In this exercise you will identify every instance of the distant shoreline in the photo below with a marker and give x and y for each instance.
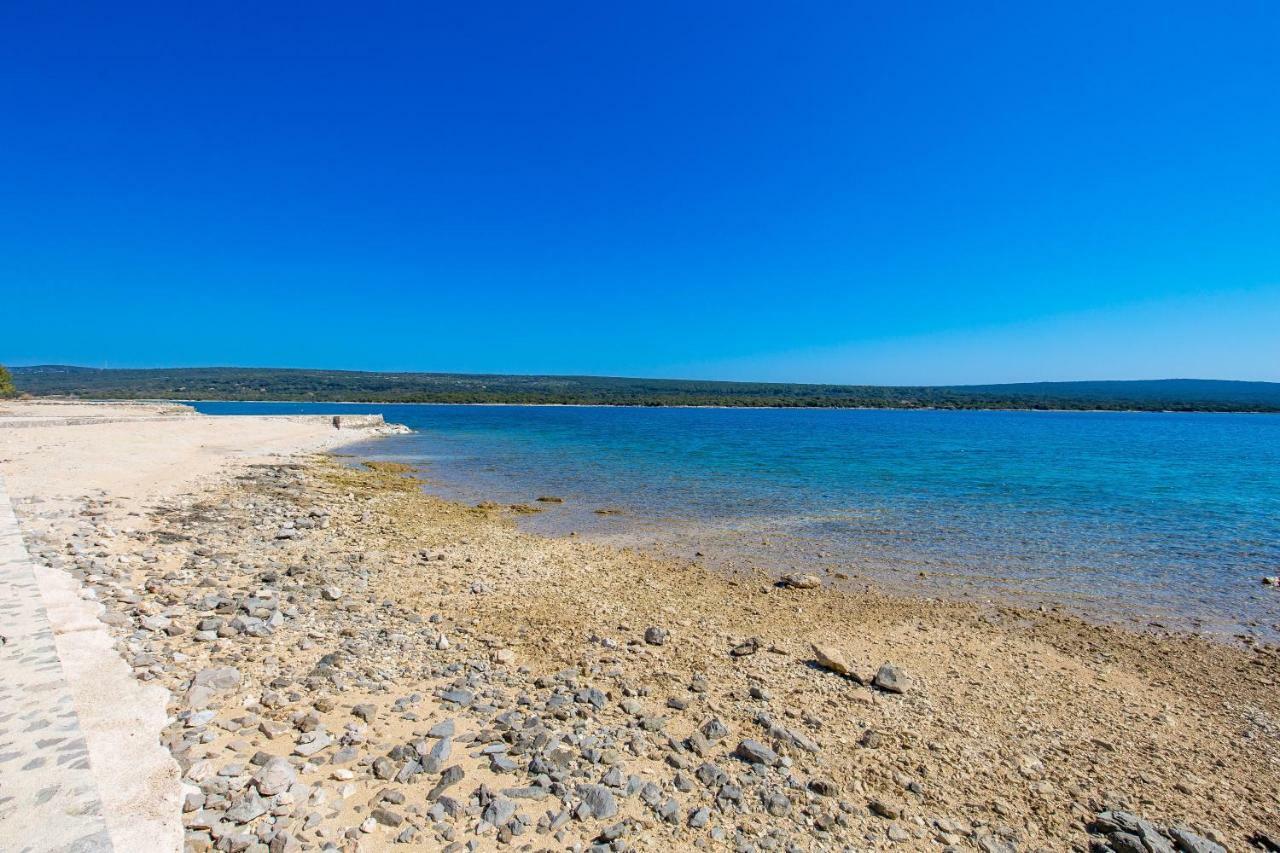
(1045, 410)
(691, 406)
(270, 385)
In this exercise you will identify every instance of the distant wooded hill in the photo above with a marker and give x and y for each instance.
(236, 383)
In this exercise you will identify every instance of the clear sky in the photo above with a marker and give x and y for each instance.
(861, 192)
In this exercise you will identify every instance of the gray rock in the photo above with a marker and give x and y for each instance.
(449, 777)
(1115, 821)
(247, 808)
(526, 792)
(754, 752)
(458, 697)
(444, 728)
(885, 808)
(311, 743)
(276, 775)
(823, 787)
(711, 775)
(499, 811)
(599, 800)
(438, 755)
(614, 832)
(777, 805)
(655, 636)
(218, 678)
(1124, 842)
(199, 719)
(713, 730)
(283, 842)
(891, 679)
(1153, 839)
(411, 769)
(386, 817)
(1189, 842)
(989, 843)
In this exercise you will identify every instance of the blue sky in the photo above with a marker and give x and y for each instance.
(915, 192)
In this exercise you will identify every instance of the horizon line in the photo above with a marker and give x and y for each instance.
(641, 378)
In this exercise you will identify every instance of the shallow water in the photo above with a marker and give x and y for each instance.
(1124, 516)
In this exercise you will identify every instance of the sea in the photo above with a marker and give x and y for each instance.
(1153, 520)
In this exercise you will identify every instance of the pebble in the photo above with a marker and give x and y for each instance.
(754, 752)
(891, 679)
(599, 800)
(829, 657)
(274, 665)
(275, 777)
(801, 581)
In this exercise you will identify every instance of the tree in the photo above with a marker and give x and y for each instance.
(6, 383)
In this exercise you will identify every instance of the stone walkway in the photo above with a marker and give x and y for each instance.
(48, 798)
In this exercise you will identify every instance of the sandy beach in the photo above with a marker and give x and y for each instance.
(297, 653)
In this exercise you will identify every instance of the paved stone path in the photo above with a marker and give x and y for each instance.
(48, 798)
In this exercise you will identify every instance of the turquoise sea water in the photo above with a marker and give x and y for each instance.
(1171, 518)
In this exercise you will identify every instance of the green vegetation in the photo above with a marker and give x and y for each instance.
(235, 383)
(7, 388)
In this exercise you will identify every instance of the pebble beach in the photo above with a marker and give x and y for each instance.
(336, 660)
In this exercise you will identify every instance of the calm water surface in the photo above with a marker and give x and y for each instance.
(1137, 517)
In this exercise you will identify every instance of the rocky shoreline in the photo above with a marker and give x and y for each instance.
(356, 665)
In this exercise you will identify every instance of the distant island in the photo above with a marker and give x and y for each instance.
(260, 384)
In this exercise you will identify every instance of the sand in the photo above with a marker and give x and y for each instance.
(140, 461)
(138, 455)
